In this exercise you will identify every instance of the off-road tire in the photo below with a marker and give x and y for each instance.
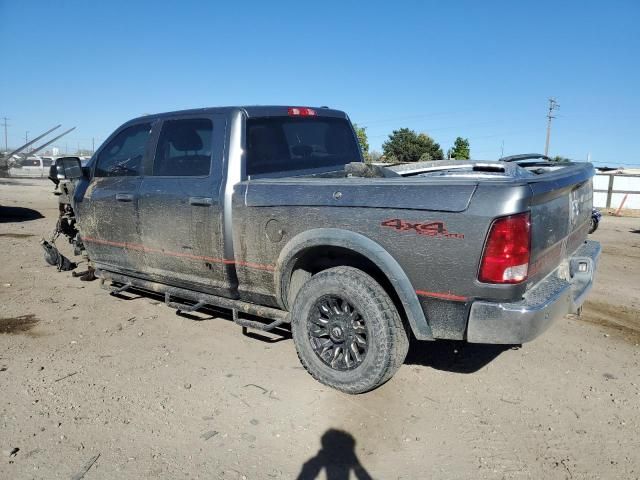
(593, 225)
(387, 338)
(298, 278)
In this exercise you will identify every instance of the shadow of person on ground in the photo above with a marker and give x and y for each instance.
(18, 214)
(454, 356)
(337, 457)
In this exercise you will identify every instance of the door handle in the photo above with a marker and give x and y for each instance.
(201, 201)
(124, 197)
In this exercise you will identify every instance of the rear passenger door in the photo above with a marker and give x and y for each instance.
(180, 206)
(109, 220)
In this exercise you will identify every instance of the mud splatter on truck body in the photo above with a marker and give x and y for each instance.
(250, 205)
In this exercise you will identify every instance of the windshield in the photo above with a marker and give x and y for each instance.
(278, 144)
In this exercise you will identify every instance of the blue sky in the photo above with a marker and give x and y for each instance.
(478, 69)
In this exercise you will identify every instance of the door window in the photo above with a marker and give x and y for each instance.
(30, 162)
(184, 148)
(123, 155)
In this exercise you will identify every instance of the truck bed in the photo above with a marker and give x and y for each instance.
(392, 211)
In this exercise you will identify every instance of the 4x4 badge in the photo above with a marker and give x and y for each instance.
(429, 229)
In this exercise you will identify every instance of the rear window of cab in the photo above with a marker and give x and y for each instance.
(280, 144)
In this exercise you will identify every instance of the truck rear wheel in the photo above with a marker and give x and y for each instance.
(347, 331)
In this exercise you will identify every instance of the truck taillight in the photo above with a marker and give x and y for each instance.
(301, 112)
(506, 253)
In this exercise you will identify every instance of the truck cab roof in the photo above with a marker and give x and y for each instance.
(249, 110)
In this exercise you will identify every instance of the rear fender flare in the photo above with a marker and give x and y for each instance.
(335, 237)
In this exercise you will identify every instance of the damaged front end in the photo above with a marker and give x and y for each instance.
(53, 257)
(65, 225)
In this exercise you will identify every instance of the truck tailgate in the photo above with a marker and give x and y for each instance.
(560, 212)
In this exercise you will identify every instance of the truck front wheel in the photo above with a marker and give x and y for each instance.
(347, 331)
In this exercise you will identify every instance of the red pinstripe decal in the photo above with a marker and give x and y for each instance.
(142, 248)
(443, 296)
(257, 266)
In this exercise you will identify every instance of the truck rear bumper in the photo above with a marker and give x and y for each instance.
(551, 299)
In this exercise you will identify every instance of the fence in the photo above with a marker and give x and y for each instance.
(610, 190)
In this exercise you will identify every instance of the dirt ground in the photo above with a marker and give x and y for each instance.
(117, 388)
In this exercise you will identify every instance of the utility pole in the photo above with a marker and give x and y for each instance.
(6, 144)
(93, 145)
(553, 105)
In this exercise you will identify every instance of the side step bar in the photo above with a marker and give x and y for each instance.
(182, 307)
(200, 299)
(115, 290)
(254, 324)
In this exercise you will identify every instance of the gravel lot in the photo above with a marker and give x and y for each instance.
(155, 395)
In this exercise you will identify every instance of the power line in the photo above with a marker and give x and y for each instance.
(410, 117)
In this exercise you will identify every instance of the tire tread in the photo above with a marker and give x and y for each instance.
(397, 342)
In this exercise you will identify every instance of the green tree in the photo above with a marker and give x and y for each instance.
(460, 149)
(361, 132)
(406, 145)
(560, 159)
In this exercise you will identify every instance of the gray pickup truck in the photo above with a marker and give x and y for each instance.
(271, 212)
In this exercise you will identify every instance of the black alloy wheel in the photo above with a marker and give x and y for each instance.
(347, 331)
(338, 333)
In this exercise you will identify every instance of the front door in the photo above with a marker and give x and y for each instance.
(109, 216)
(180, 206)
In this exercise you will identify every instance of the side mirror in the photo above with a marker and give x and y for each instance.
(69, 168)
(53, 174)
